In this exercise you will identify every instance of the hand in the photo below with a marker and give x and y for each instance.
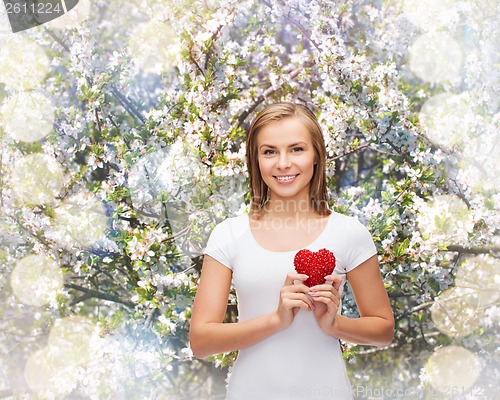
(292, 298)
(326, 301)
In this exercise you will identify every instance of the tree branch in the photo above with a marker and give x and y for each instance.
(414, 310)
(126, 104)
(81, 298)
(57, 39)
(97, 119)
(100, 295)
(297, 25)
(396, 345)
(6, 393)
(121, 98)
(395, 148)
(269, 91)
(349, 152)
(474, 250)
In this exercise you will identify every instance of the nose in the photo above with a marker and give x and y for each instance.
(284, 161)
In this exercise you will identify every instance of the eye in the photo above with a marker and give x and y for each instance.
(297, 149)
(268, 152)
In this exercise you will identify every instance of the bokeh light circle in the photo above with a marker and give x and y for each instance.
(73, 338)
(444, 217)
(81, 220)
(37, 178)
(173, 185)
(163, 185)
(449, 119)
(154, 47)
(482, 274)
(42, 373)
(5, 29)
(146, 186)
(456, 311)
(452, 366)
(479, 166)
(23, 63)
(28, 116)
(36, 279)
(73, 18)
(430, 14)
(436, 57)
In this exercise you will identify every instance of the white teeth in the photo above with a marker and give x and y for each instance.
(286, 178)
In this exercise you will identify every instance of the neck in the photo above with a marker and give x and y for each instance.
(288, 208)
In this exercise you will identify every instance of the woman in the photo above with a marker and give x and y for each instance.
(288, 333)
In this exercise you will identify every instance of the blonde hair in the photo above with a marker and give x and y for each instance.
(258, 189)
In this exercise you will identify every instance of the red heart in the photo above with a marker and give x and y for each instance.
(316, 265)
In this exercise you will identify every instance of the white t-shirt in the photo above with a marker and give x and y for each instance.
(300, 362)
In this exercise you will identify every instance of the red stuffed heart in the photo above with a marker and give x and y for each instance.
(316, 265)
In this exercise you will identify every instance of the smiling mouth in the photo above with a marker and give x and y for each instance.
(286, 178)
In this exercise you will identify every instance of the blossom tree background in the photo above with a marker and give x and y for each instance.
(122, 129)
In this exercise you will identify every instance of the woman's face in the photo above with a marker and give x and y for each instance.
(286, 158)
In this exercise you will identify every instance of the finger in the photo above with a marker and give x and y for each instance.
(323, 293)
(297, 303)
(297, 288)
(294, 288)
(336, 280)
(331, 304)
(300, 296)
(333, 297)
(326, 287)
(292, 276)
(323, 287)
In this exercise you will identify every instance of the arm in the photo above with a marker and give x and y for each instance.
(376, 323)
(209, 335)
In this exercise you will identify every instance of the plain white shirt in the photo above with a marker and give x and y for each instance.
(301, 362)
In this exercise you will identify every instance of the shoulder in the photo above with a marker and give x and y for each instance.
(348, 227)
(230, 223)
(346, 221)
(231, 227)
(354, 239)
(224, 237)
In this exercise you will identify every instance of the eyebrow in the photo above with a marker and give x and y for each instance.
(292, 145)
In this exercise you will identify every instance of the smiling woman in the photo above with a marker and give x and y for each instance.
(288, 333)
(287, 165)
(283, 134)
